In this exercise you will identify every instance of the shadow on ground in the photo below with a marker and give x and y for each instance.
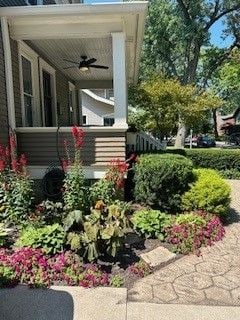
(232, 217)
(22, 303)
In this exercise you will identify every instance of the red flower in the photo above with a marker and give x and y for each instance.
(23, 160)
(78, 136)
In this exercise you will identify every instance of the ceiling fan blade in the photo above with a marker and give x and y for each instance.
(69, 67)
(98, 66)
(71, 61)
(90, 61)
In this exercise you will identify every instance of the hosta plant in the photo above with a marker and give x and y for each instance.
(151, 223)
(186, 236)
(50, 238)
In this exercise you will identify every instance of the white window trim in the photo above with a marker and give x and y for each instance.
(72, 88)
(43, 65)
(25, 51)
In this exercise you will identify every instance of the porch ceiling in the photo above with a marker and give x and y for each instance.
(69, 31)
(55, 50)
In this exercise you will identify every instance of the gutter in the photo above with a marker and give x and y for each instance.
(75, 9)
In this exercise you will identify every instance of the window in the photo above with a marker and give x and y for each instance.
(108, 122)
(48, 94)
(28, 61)
(27, 91)
(84, 120)
(34, 2)
(36, 76)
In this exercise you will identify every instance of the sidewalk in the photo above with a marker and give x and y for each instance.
(76, 303)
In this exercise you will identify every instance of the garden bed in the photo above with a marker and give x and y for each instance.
(92, 237)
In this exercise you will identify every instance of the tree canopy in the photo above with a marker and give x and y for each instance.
(178, 35)
(162, 101)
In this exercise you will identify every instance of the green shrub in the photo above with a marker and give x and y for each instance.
(50, 238)
(161, 179)
(221, 160)
(231, 174)
(209, 192)
(151, 223)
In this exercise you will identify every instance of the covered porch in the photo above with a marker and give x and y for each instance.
(47, 36)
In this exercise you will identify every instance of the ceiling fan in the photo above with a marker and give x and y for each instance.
(85, 64)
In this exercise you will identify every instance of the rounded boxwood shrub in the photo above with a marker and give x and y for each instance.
(209, 192)
(161, 179)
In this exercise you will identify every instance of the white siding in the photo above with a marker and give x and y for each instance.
(95, 110)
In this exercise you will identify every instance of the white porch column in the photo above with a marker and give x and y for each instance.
(8, 73)
(119, 79)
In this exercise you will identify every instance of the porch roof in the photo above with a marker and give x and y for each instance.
(69, 31)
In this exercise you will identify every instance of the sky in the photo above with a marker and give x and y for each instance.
(216, 33)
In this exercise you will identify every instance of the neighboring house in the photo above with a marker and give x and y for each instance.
(97, 110)
(39, 90)
(224, 122)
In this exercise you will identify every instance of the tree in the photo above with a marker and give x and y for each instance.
(177, 31)
(162, 101)
(227, 83)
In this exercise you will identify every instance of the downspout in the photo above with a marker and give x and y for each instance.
(8, 74)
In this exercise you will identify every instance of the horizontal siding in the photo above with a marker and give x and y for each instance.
(3, 100)
(99, 148)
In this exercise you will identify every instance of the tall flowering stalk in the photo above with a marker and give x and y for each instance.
(75, 191)
(15, 185)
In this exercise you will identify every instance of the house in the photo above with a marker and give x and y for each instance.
(43, 51)
(226, 122)
(97, 108)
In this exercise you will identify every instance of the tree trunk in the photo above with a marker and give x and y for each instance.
(181, 135)
(215, 123)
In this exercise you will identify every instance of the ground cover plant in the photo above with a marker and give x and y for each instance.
(192, 231)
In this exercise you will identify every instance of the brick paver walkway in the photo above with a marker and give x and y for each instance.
(211, 279)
